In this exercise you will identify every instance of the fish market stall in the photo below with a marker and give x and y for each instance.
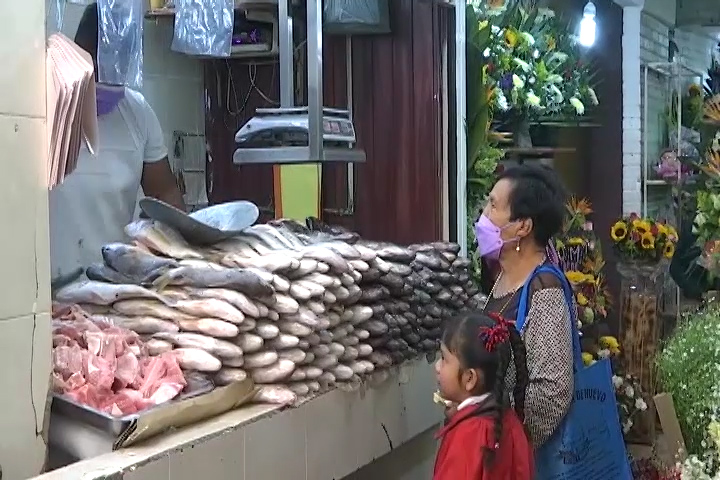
(283, 314)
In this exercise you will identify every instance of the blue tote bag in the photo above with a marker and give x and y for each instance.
(588, 443)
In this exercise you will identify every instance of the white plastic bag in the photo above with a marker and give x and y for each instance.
(356, 16)
(203, 27)
(120, 42)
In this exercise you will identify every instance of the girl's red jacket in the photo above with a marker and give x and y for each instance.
(464, 440)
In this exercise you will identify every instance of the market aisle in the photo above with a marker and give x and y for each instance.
(24, 256)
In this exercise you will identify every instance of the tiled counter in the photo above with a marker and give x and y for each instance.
(326, 438)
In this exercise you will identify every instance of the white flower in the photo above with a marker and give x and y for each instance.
(641, 405)
(557, 94)
(593, 97)
(536, 54)
(486, 52)
(517, 81)
(627, 425)
(604, 353)
(501, 101)
(578, 105)
(528, 38)
(630, 392)
(617, 381)
(495, 29)
(522, 64)
(531, 80)
(532, 99)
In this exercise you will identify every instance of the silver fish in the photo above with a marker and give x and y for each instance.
(100, 293)
(134, 262)
(161, 238)
(103, 273)
(233, 278)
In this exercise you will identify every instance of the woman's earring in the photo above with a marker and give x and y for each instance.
(517, 247)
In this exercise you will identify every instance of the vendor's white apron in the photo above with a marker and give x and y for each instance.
(95, 202)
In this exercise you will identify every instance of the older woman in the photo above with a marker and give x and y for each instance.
(525, 209)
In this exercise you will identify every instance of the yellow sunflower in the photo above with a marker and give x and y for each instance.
(647, 241)
(575, 277)
(669, 250)
(575, 241)
(511, 37)
(641, 226)
(588, 359)
(619, 231)
(582, 299)
(610, 343)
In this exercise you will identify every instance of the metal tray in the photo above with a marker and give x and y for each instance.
(206, 226)
(118, 427)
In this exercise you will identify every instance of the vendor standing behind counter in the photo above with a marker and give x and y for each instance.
(94, 203)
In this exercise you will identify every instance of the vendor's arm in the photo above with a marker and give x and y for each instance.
(158, 180)
(548, 338)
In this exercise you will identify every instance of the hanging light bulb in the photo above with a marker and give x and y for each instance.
(587, 25)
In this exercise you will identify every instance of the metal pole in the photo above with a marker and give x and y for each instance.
(287, 58)
(349, 97)
(315, 80)
(461, 133)
(644, 199)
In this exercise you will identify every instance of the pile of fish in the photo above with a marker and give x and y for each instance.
(297, 308)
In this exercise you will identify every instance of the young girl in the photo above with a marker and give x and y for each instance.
(483, 439)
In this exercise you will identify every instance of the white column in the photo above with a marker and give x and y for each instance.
(631, 106)
(461, 132)
(25, 344)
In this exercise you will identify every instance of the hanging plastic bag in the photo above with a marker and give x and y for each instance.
(203, 27)
(120, 42)
(55, 16)
(356, 16)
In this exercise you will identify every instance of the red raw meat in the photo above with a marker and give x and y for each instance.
(106, 367)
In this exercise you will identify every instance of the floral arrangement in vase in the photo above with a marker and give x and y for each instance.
(534, 65)
(643, 240)
(581, 259)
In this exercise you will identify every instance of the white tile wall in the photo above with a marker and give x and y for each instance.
(24, 251)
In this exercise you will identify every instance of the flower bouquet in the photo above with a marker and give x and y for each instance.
(532, 77)
(581, 259)
(643, 240)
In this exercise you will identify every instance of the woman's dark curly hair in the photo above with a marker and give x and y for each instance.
(462, 337)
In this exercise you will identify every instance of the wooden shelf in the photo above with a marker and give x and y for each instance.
(160, 13)
(657, 182)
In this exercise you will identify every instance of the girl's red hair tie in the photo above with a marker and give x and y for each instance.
(497, 334)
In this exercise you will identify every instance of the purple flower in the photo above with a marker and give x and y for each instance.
(506, 82)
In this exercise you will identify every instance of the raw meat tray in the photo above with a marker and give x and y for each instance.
(118, 427)
(78, 432)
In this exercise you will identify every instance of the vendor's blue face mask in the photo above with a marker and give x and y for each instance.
(108, 98)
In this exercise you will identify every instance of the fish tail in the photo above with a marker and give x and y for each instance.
(161, 282)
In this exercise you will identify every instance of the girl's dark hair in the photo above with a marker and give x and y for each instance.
(462, 336)
(538, 194)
